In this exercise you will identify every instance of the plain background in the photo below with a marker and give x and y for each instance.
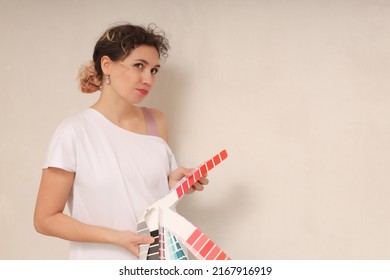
(296, 91)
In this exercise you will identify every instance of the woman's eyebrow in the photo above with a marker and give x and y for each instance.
(145, 62)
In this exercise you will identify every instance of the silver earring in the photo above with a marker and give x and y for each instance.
(107, 80)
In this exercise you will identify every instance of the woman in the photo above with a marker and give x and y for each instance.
(111, 161)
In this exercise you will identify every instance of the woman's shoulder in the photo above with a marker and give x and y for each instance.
(157, 114)
(75, 121)
(160, 121)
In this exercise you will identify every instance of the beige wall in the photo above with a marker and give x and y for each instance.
(296, 91)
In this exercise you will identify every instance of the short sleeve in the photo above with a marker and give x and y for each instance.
(172, 160)
(62, 151)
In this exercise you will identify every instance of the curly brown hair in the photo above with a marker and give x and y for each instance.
(118, 42)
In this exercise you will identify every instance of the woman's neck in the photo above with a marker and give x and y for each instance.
(123, 114)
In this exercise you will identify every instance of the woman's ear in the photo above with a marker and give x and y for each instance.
(106, 64)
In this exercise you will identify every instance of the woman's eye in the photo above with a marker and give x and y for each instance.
(139, 65)
(154, 71)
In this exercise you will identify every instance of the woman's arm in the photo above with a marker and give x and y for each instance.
(49, 218)
(161, 123)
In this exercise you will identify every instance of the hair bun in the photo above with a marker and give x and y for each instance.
(88, 78)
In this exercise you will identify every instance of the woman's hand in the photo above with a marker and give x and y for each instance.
(131, 241)
(182, 172)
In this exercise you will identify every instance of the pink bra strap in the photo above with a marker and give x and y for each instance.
(150, 122)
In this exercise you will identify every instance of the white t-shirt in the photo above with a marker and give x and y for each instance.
(118, 175)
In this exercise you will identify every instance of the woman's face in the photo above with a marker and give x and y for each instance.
(133, 78)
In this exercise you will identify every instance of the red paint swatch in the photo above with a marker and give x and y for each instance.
(201, 241)
(206, 248)
(194, 236)
(214, 253)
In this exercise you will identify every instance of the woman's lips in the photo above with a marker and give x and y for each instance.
(143, 91)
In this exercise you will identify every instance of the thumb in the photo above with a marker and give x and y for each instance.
(146, 239)
(189, 171)
(181, 172)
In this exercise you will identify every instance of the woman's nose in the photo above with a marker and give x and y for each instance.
(147, 78)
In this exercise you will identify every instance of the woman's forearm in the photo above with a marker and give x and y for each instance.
(65, 227)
